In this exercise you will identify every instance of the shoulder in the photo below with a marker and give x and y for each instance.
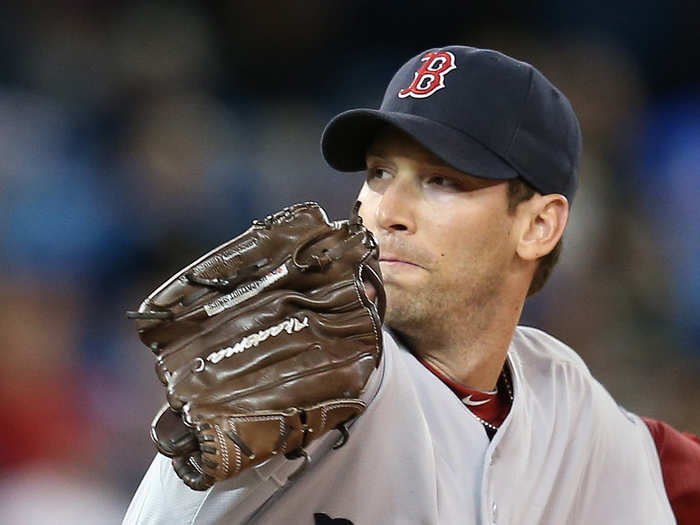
(533, 345)
(545, 366)
(551, 376)
(550, 373)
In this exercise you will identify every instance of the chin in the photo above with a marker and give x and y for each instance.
(402, 315)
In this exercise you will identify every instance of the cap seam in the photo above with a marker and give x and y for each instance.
(520, 119)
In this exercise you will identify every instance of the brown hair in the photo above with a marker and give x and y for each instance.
(519, 191)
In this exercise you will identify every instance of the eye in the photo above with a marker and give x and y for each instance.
(381, 173)
(448, 183)
(378, 173)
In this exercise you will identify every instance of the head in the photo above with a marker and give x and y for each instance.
(471, 164)
(451, 244)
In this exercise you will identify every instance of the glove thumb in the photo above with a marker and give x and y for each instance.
(170, 434)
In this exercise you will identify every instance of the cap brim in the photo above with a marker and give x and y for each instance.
(348, 136)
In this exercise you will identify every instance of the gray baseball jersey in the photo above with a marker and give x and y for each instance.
(566, 453)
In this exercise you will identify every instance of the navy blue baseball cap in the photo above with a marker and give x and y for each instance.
(479, 111)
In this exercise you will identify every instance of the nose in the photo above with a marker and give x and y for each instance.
(394, 211)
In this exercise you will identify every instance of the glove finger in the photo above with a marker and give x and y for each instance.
(374, 289)
(189, 470)
(170, 434)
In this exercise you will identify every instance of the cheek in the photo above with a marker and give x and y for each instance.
(469, 238)
(368, 208)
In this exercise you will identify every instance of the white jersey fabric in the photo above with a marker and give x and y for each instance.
(566, 454)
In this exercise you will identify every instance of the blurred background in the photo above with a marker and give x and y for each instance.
(136, 135)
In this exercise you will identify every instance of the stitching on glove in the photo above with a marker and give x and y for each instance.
(341, 404)
(195, 465)
(223, 448)
(239, 459)
(371, 317)
(324, 414)
(281, 444)
(192, 330)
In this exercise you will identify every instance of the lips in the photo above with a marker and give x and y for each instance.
(395, 259)
(400, 253)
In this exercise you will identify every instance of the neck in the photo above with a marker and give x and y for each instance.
(470, 348)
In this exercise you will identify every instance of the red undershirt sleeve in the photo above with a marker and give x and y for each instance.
(679, 454)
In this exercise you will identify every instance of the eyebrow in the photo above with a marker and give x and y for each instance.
(435, 162)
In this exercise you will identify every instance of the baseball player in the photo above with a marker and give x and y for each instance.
(471, 166)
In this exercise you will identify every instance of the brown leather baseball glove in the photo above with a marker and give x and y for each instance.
(265, 343)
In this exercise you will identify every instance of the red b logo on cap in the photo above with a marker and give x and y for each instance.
(431, 76)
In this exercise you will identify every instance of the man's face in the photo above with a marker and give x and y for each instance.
(445, 238)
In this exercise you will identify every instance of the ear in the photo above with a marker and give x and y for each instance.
(545, 218)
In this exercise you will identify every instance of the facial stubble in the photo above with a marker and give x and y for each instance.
(439, 309)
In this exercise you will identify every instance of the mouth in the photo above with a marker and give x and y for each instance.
(393, 261)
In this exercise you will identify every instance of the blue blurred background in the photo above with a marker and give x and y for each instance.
(136, 135)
